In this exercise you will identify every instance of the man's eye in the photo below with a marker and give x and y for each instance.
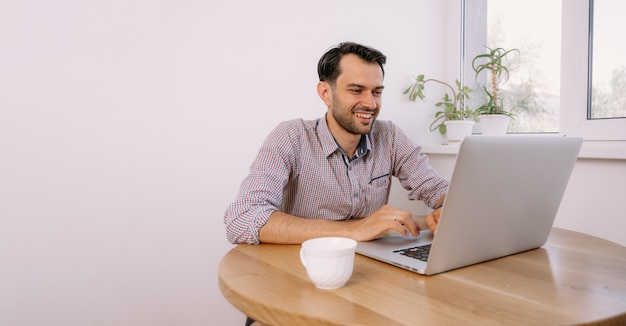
(355, 91)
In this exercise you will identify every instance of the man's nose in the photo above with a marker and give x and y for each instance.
(370, 101)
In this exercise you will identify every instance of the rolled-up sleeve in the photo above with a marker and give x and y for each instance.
(261, 192)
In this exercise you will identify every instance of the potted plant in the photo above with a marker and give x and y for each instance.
(494, 119)
(455, 119)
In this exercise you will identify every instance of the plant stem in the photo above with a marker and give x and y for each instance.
(447, 85)
(494, 89)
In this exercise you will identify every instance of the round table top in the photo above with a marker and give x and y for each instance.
(573, 279)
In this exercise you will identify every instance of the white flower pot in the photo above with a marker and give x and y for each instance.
(494, 124)
(458, 129)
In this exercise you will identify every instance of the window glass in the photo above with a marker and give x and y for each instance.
(608, 77)
(532, 93)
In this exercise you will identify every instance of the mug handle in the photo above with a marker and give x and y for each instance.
(302, 257)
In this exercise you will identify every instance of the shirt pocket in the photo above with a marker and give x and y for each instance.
(380, 181)
(378, 192)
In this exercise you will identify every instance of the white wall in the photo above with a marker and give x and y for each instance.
(127, 126)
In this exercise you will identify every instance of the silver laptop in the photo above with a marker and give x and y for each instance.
(503, 198)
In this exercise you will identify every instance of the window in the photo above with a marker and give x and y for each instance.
(570, 76)
(577, 40)
(608, 60)
(532, 91)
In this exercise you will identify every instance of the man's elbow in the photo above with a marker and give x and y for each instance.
(241, 237)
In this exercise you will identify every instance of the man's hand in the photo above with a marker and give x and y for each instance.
(432, 220)
(384, 219)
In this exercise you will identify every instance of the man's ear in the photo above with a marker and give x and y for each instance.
(325, 92)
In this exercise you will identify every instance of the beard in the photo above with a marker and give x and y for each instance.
(346, 119)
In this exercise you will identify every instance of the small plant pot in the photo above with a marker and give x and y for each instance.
(494, 124)
(456, 130)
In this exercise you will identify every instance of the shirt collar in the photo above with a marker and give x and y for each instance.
(364, 146)
(329, 145)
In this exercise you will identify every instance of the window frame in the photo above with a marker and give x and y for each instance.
(575, 70)
(603, 138)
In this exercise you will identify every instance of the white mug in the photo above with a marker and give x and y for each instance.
(328, 261)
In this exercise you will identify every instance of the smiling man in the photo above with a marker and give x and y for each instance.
(332, 176)
(353, 100)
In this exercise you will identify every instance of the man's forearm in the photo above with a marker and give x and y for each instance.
(284, 228)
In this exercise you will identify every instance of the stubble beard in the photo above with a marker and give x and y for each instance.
(346, 120)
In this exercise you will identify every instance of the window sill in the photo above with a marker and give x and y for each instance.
(604, 150)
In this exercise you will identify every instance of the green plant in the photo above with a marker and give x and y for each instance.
(453, 108)
(493, 62)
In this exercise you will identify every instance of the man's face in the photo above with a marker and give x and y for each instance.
(356, 97)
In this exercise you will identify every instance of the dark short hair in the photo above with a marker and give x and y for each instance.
(328, 66)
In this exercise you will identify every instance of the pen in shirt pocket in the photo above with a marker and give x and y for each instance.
(379, 177)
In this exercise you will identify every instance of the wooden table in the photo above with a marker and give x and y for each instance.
(573, 279)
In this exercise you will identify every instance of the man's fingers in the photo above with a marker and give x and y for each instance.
(431, 222)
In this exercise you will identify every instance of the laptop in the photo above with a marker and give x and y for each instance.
(503, 198)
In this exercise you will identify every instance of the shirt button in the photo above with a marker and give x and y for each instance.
(356, 195)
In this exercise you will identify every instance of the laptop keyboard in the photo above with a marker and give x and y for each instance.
(419, 252)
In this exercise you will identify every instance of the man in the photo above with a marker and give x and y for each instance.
(332, 176)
